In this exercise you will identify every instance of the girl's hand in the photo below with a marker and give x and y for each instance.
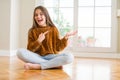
(71, 34)
(42, 36)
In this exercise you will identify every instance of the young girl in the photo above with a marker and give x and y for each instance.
(44, 44)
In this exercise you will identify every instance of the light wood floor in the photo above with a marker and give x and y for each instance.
(80, 69)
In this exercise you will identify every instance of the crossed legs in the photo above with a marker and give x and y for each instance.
(35, 61)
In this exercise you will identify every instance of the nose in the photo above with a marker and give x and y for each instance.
(39, 16)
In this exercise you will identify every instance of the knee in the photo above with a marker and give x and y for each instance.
(20, 52)
(69, 58)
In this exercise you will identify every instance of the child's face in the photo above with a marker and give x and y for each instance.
(40, 17)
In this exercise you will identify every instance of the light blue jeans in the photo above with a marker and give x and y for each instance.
(48, 61)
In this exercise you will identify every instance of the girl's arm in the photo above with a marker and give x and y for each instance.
(33, 43)
(71, 34)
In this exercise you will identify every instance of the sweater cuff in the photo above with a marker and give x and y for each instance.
(65, 40)
(37, 45)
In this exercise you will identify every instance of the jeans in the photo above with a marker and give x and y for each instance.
(47, 61)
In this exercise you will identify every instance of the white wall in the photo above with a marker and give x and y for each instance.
(118, 27)
(26, 13)
(9, 24)
(14, 24)
(4, 24)
(118, 3)
(15, 20)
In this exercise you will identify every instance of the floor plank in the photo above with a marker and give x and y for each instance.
(80, 69)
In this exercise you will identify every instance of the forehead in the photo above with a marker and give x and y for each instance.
(38, 11)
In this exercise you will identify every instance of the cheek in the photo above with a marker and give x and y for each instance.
(35, 18)
(44, 19)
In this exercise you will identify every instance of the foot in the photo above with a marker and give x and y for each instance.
(30, 66)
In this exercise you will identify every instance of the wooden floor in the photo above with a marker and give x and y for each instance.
(80, 69)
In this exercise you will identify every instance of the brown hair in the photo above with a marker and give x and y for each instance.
(45, 12)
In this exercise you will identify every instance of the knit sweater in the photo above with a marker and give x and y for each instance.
(52, 44)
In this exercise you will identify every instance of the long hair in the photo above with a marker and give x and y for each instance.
(46, 14)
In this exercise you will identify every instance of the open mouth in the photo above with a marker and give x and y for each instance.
(40, 20)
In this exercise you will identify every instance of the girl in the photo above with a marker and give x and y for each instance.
(44, 44)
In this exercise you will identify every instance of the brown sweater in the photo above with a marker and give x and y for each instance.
(52, 44)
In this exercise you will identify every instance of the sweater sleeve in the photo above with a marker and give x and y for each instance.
(60, 43)
(33, 44)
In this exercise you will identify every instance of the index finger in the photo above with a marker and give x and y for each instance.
(45, 32)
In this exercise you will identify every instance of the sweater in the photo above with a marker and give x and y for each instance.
(52, 44)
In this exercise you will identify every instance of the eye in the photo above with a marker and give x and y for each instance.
(36, 15)
(41, 14)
